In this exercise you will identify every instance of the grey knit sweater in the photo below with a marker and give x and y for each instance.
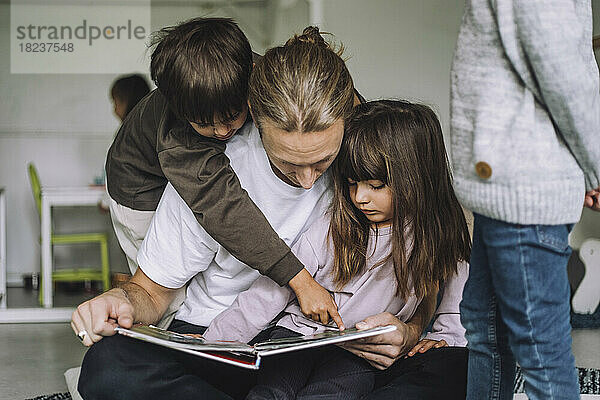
(525, 110)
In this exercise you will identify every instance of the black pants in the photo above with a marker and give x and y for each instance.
(118, 367)
(437, 374)
(324, 373)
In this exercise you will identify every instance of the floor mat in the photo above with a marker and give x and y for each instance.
(589, 381)
(55, 396)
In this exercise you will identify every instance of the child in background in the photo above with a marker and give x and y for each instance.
(394, 231)
(126, 92)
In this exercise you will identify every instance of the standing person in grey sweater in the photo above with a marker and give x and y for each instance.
(525, 116)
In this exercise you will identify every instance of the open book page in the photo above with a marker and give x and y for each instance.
(283, 345)
(176, 340)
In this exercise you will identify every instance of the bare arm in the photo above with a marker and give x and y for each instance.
(149, 299)
(139, 300)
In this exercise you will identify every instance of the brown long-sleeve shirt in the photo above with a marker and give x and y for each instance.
(153, 147)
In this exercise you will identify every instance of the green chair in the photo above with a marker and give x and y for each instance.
(75, 274)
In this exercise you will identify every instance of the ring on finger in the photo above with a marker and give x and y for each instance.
(82, 334)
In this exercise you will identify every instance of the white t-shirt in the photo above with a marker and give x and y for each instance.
(177, 248)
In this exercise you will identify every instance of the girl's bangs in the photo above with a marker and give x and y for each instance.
(361, 159)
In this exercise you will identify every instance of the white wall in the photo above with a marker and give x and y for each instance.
(62, 123)
(400, 49)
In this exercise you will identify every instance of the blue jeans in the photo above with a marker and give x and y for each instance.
(515, 309)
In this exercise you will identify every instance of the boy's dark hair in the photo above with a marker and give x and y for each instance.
(202, 66)
(129, 90)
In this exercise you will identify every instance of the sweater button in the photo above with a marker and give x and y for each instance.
(483, 169)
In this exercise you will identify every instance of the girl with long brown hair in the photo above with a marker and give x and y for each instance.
(394, 232)
(397, 148)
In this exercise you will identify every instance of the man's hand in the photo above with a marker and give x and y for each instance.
(99, 316)
(315, 302)
(383, 350)
(592, 199)
(140, 300)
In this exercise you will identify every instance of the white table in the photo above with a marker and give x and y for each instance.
(2, 248)
(65, 197)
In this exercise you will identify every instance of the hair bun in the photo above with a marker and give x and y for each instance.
(310, 34)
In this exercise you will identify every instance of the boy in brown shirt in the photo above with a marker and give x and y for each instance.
(177, 134)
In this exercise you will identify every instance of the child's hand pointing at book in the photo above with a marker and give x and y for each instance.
(315, 302)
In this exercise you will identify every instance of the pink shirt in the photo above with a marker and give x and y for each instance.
(367, 294)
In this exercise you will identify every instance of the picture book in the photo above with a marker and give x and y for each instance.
(242, 354)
